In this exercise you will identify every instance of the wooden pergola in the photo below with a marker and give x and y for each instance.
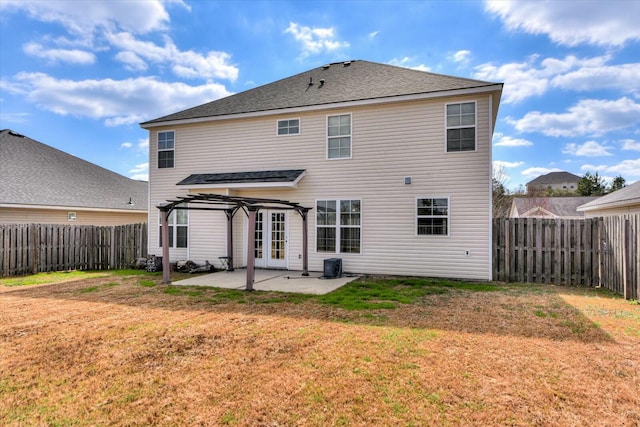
(230, 205)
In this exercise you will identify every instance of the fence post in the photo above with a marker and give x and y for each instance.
(34, 248)
(626, 283)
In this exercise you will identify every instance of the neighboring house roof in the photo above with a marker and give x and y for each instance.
(552, 207)
(554, 178)
(330, 84)
(35, 174)
(627, 196)
(280, 176)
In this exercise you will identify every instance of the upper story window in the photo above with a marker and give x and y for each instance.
(339, 136)
(289, 127)
(166, 149)
(461, 127)
(433, 216)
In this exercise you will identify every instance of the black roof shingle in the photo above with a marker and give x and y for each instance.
(32, 173)
(243, 177)
(554, 178)
(332, 83)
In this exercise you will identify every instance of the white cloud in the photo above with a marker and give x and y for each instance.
(497, 164)
(140, 177)
(315, 40)
(630, 144)
(406, 63)
(13, 117)
(186, 64)
(622, 77)
(374, 34)
(534, 77)
(461, 56)
(536, 171)
(84, 18)
(143, 145)
(72, 56)
(589, 168)
(588, 149)
(131, 61)
(605, 23)
(508, 141)
(626, 168)
(118, 102)
(521, 80)
(587, 117)
(140, 172)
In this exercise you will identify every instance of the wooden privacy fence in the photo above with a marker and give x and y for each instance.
(35, 248)
(581, 252)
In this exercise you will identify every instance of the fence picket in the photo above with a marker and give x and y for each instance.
(33, 248)
(590, 252)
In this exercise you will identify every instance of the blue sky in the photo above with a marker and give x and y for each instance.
(80, 75)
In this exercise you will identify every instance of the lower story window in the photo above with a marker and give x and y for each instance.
(433, 216)
(338, 226)
(178, 228)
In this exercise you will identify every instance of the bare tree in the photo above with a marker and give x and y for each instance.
(501, 195)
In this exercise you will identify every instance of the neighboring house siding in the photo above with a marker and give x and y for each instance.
(624, 210)
(389, 142)
(54, 216)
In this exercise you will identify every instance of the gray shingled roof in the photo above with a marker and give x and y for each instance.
(32, 173)
(627, 196)
(329, 84)
(554, 178)
(565, 207)
(243, 177)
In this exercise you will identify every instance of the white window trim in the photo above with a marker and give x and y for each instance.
(446, 128)
(289, 134)
(175, 231)
(326, 130)
(415, 226)
(337, 226)
(158, 150)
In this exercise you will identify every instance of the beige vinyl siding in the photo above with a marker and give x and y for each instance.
(622, 210)
(389, 142)
(55, 216)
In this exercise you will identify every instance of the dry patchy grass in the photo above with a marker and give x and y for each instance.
(126, 350)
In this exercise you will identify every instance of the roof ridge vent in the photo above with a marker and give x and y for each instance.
(19, 135)
(326, 66)
(346, 63)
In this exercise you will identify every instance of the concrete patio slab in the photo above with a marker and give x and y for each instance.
(269, 280)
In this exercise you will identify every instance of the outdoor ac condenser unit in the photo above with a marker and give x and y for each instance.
(332, 268)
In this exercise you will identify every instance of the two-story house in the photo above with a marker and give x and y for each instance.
(559, 181)
(393, 166)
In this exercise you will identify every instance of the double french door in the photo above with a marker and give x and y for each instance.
(270, 248)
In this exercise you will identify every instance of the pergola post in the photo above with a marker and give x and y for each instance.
(251, 245)
(305, 241)
(229, 213)
(166, 264)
